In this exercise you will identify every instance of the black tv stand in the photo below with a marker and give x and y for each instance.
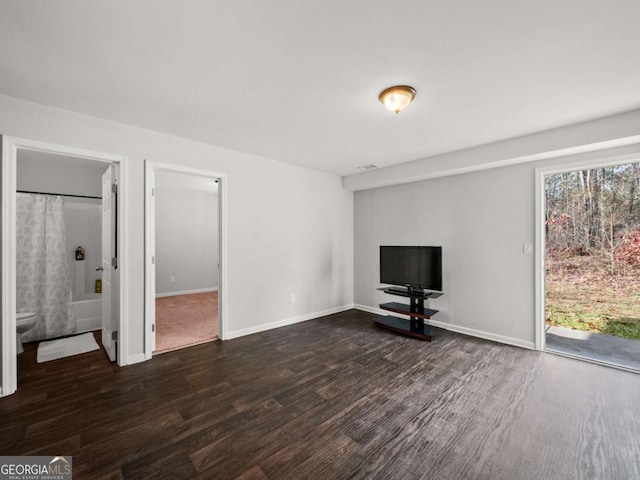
(414, 326)
(406, 292)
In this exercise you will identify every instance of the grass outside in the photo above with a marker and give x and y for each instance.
(582, 294)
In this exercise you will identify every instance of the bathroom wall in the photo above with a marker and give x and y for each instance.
(47, 172)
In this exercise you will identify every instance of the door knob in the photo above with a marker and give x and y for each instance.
(99, 269)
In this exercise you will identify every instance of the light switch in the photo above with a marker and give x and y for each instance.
(527, 248)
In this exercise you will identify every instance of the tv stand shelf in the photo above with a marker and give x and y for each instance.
(414, 325)
(396, 307)
(403, 326)
(403, 292)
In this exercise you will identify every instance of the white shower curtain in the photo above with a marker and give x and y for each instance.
(42, 268)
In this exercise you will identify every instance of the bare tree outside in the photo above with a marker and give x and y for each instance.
(593, 250)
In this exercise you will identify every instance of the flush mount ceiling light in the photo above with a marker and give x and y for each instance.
(397, 98)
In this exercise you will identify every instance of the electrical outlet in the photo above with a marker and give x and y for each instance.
(172, 279)
(293, 298)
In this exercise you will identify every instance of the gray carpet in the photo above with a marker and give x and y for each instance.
(595, 346)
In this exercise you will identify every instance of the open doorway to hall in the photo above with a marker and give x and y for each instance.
(592, 264)
(186, 260)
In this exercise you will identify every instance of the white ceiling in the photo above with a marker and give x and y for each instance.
(298, 81)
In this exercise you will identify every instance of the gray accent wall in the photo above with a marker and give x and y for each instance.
(482, 220)
(479, 221)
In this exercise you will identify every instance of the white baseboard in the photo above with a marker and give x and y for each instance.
(460, 329)
(374, 310)
(283, 323)
(187, 292)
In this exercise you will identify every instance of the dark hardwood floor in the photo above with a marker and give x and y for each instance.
(331, 398)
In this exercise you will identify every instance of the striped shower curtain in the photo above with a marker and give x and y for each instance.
(42, 267)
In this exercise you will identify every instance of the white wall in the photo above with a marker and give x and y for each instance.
(482, 220)
(290, 229)
(187, 239)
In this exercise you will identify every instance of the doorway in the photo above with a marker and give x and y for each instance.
(184, 275)
(589, 227)
(61, 168)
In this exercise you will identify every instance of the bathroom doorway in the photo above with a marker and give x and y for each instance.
(184, 244)
(67, 185)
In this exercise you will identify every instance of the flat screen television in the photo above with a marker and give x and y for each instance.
(413, 267)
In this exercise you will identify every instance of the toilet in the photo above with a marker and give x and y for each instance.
(25, 321)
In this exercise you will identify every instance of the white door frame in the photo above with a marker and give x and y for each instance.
(10, 147)
(150, 247)
(582, 162)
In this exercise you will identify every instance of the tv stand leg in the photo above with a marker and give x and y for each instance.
(417, 323)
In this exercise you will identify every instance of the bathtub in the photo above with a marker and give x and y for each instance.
(88, 315)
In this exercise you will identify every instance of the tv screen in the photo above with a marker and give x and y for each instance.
(416, 267)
